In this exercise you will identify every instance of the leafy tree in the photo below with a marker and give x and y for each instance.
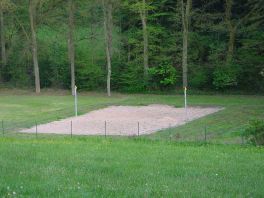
(150, 43)
(71, 45)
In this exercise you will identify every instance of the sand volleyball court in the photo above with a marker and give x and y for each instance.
(124, 120)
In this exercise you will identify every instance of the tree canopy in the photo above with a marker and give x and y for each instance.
(145, 39)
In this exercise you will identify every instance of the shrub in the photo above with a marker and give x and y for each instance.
(164, 76)
(255, 132)
(224, 78)
(131, 79)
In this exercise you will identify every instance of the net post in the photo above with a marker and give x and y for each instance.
(185, 103)
(75, 101)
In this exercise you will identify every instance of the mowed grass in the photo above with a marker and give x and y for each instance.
(98, 167)
(150, 166)
(24, 109)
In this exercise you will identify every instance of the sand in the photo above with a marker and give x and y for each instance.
(124, 120)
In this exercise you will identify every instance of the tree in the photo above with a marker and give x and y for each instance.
(233, 22)
(224, 49)
(186, 8)
(108, 28)
(2, 27)
(32, 17)
(141, 7)
(232, 28)
(143, 16)
(4, 6)
(71, 45)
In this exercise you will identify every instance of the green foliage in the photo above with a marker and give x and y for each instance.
(132, 79)
(19, 76)
(251, 58)
(199, 76)
(164, 76)
(225, 77)
(255, 132)
(89, 77)
(207, 52)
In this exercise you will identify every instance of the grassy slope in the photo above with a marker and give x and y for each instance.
(85, 167)
(224, 126)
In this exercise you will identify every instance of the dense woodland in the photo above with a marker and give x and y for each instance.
(133, 45)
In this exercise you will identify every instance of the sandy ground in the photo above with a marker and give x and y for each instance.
(124, 120)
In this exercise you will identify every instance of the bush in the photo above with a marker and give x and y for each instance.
(225, 77)
(131, 79)
(164, 76)
(255, 132)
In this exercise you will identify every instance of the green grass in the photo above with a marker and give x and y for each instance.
(95, 167)
(149, 166)
(22, 109)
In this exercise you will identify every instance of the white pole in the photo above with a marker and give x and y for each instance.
(185, 103)
(75, 102)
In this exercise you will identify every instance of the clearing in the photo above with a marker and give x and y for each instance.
(124, 120)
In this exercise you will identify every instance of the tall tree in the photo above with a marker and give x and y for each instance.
(32, 17)
(186, 8)
(142, 8)
(232, 28)
(71, 47)
(251, 9)
(108, 28)
(143, 15)
(3, 6)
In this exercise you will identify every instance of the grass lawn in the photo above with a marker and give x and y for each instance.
(91, 167)
(151, 166)
(24, 109)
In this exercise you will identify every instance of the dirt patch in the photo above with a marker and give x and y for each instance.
(124, 120)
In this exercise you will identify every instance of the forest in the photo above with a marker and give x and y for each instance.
(133, 45)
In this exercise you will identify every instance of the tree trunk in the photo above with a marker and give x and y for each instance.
(3, 48)
(32, 14)
(71, 45)
(185, 59)
(185, 21)
(143, 16)
(231, 44)
(92, 39)
(108, 26)
(231, 29)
